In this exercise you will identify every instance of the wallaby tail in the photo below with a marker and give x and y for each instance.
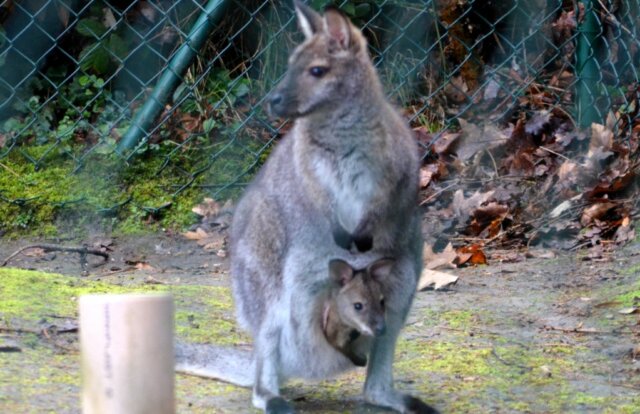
(227, 364)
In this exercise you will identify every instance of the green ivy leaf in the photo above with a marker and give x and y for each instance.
(349, 8)
(90, 28)
(362, 9)
(208, 125)
(118, 46)
(94, 58)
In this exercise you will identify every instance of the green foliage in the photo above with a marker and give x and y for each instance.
(219, 92)
(81, 107)
(106, 48)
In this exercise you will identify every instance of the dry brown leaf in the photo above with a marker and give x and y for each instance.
(568, 174)
(35, 252)
(463, 208)
(425, 176)
(63, 15)
(443, 259)
(208, 208)
(144, 266)
(537, 122)
(601, 137)
(541, 254)
(625, 232)
(445, 142)
(595, 212)
(474, 138)
(435, 279)
(628, 311)
(472, 255)
(199, 234)
(150, 280)
(607, 304)
(491, 90)
(215, 242)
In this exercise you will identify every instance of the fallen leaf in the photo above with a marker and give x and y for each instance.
(435, 260)
(150, 280)
(436, 279)
(628, 311)
(538, 121)
(425, 176)
(464, 207)
(546, 371)
(109, 20)
(491, 90)
(208, 208)
(198, 234)
(144, 266)
(540, 254)
(35, 252)
(444, 142)
(475, 253)
(595, 212)
(607, 304)
(601, 137)
(474, 138)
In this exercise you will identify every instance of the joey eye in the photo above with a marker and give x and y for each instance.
(357, 306)
(318, 71)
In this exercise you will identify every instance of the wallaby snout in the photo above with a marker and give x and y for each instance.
(274, 103)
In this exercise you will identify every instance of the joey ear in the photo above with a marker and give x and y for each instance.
(337, 27)
(340, 271)
(381, 269)
(309, 21)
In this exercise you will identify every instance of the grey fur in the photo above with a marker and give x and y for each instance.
(349, 167)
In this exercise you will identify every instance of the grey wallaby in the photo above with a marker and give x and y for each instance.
(354, 311)
(341, 184)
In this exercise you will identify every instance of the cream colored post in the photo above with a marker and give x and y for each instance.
(126, 345)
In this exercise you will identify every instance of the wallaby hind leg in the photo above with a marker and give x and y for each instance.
(379, 388)
(266, 390)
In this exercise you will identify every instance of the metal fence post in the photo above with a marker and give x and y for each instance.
(173, 74)
(587, 67)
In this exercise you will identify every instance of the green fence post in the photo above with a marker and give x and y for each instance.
(587, 67)
(173, 74)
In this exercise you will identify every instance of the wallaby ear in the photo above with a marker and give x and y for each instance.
(337, 27)
(381, 269)
(309, 21)
(340, 271)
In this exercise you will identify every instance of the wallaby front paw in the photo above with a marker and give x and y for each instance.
(414, 405)
(278, 405)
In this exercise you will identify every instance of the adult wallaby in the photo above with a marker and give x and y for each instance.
(354, 311)
(341, 184)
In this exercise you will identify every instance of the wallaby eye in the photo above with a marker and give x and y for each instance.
(357, 306)
(318, 71)
(382, 302)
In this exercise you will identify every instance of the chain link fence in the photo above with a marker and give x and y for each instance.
(118, 113)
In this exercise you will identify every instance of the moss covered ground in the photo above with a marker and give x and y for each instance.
(46, 192)
(467, 350)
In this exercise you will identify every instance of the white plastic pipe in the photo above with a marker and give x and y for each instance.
(127, 359)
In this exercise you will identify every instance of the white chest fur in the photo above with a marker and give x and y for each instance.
(351, 183)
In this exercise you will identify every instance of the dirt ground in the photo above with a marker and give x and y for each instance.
(531, 336)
